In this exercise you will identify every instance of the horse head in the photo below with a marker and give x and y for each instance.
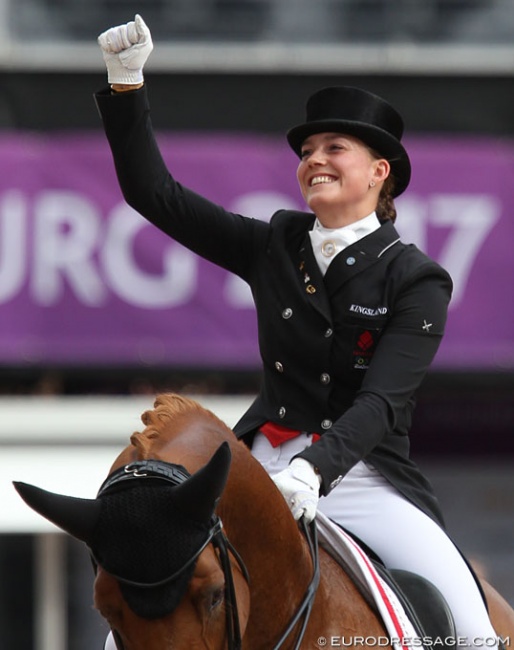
(154, 537)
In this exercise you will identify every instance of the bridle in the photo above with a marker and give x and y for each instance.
(174, 474)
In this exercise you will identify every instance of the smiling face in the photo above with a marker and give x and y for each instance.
(340, 178)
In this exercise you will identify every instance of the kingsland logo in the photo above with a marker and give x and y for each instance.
(368, 311)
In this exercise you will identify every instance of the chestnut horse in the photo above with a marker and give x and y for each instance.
(270, 560)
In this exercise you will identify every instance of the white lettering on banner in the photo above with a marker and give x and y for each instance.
(13, 229)
(177, 284)
(412, 222)
(469, 219)
(73, 247)
(66, 232)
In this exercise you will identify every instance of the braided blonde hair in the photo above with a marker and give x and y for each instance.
(385, 207)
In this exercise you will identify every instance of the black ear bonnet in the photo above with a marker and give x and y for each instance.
(145, 526)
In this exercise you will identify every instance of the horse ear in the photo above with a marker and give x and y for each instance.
(75, 516)
(199, 494)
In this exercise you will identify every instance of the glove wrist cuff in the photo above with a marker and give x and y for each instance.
(305, 471)
(121, 75)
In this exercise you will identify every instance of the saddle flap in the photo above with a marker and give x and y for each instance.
(424, 604)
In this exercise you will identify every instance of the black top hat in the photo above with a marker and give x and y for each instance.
(353, 111)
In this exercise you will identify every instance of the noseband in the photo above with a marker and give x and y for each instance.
(157, 469)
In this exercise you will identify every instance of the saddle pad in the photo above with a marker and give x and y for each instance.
(378, 594)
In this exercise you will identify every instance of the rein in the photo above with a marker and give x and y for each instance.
(174, 474)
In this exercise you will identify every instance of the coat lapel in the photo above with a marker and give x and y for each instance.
(348, 263)
(311, 279)
(360, 256)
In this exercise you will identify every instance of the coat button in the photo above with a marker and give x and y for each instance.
(325, 378)
(287, 313)
(350, 261)
(282, 412)
(279, 366)
(326, 424)
(329, 333)
(310, 288)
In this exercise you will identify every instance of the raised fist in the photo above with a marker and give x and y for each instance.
(125, 49)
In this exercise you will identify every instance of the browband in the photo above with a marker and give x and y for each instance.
(141, 469)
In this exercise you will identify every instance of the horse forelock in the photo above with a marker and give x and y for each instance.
(169, 415)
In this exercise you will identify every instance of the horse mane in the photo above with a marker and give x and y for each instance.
(169, 412)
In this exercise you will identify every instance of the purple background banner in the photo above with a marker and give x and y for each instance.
(85, 280)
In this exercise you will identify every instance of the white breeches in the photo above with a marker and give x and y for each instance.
(404, 537)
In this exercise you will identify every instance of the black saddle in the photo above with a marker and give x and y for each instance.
(424, 604)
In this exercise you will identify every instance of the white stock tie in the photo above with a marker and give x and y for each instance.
(328, 242)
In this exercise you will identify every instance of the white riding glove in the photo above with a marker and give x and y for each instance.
(299, 484)
(125, 49)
